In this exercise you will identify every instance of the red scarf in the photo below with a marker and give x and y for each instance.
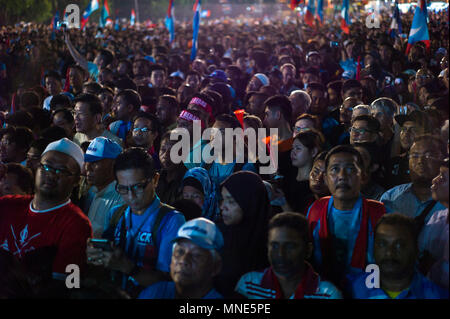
(308, 285)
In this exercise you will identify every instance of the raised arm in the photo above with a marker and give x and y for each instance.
(75, 54)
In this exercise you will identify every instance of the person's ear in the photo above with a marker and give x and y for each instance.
(364, 176)
(314, 152)
(98, 118)
(130, 108)
(217, 265)
(374, 167)
(155, 180)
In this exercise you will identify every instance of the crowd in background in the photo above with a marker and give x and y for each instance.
(362, 147)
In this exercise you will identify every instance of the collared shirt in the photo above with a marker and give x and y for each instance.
(434, 238)
(264, 285)
(166, 290)
(401, 199)
(80, 138)
(420, 288)
(98, 204)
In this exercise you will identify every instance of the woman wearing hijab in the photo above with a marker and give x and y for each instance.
(245, 210)
(197, 187)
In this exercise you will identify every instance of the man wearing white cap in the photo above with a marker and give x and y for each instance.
(102, 196)
(256, 82)
(49, 219)
(195, 263)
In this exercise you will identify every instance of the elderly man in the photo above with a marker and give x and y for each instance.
(395, 251)
(49, 218)
(289, 276)
(300, 102)
(195, 263)
(414, 199)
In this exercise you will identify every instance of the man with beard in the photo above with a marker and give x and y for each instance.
(395, 252)
(49, 220)
(289, 276)
(341, 225)
(195, 262)
(414, 199)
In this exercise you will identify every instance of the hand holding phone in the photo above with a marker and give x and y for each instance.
(103, 244)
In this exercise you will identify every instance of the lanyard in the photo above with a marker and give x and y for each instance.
(354, 226)
(131, 234)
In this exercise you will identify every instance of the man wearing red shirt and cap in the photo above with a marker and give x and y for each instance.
(49, 220)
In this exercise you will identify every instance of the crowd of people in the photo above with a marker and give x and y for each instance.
(87, 175)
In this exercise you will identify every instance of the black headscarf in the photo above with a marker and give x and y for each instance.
(245, 246)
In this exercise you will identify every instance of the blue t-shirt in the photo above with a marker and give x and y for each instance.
(93, 70)
(166, 290)
(420, 288)
(339, 222)
(139, 243)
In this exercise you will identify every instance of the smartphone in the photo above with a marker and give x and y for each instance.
(101, 243)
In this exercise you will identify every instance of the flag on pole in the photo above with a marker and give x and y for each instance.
(93, 5)
(294, 4)
(345, 20)
(170, 25)
(104, 15)
(133, 17)
(396, 25)
(310, 12)
(320, 11)
(55, 21)
(195, 26)
(419, 28)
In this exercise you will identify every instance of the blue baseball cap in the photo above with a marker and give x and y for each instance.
(101, 148)
(219, 75)
(202, 232)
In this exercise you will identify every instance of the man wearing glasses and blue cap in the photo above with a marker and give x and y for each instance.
(195, 262)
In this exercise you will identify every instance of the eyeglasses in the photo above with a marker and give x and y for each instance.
(408, 129)
(427, 156)
(56, 171)
(142, 129)
(343, 109)
(360, 130)
(137, 189)
(300, 129)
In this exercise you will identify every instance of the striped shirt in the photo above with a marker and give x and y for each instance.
(265, 285)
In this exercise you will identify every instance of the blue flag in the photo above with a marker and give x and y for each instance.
(170, 25)
(419, 27)
(396, 25)
(196, 25)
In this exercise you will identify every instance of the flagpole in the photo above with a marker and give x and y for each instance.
(137, 10)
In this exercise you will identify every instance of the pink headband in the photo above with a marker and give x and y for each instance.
(198, 101)
(185, 115)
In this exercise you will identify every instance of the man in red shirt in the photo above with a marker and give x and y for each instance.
(48, 221)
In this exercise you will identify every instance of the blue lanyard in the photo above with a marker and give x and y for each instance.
(354, 226)
(131, 235)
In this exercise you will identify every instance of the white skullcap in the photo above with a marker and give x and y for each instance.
(67, 147)
(263, 78)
